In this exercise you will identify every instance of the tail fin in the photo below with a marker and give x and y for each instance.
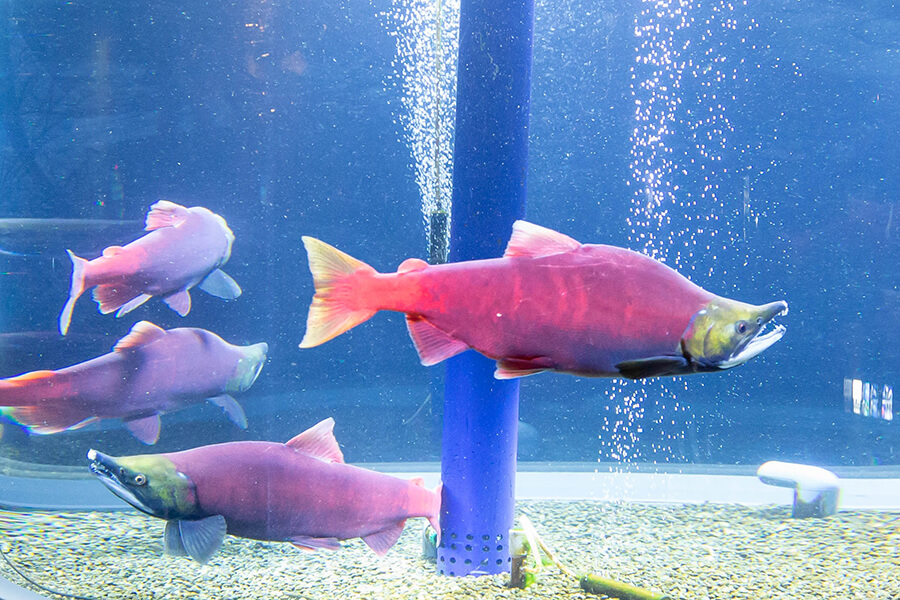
(435, 516)
(431, 505)
(75, 291)
(333, 309)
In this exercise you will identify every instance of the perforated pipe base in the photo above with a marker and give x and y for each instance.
(461, 554)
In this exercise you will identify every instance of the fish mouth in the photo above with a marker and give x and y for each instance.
(106, 470)
(768, 333)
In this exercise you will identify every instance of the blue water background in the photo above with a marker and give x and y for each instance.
(293, 131)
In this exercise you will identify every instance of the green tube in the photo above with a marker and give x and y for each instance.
(616, 589)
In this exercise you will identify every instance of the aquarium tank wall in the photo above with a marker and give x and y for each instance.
(235, 265)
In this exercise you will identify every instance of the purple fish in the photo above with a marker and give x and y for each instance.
(185, 248)
(150, 371)
(300, 492)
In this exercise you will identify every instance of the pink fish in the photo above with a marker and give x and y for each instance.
(151, 371)
(185, 248)
(300, 492)
(550, 304)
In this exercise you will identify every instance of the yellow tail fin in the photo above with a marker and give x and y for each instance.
(333, 310)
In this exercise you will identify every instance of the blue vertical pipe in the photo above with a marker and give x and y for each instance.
(481, 414)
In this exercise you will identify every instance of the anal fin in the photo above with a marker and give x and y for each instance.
(146, 429)
(432, 344)
(383, 540)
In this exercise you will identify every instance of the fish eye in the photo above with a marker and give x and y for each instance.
(140, 479)
(741, 326)
(759, 320)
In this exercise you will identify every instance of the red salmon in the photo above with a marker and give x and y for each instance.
(549, 304)
(185, 248)
(300, 492)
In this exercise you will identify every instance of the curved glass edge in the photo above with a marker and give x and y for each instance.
(12, 591)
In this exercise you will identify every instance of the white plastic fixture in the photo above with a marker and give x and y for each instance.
(816, 490)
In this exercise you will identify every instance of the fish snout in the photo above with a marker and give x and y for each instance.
(102, 465)
(769, 311)
(98, 457)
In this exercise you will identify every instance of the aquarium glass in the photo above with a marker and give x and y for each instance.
(750, 146)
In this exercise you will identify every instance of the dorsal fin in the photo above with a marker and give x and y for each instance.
(142, 333)
(112, 251)
(165, 214)
(319, 442)
(535, 241)
(412, 264)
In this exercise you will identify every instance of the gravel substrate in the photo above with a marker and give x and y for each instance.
(689, 552)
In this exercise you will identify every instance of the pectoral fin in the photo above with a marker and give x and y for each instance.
(219, 284)
(232, 409)
(112, 297)
(655, 366)
(132, 304)
(145, 429)
(198, 539)
(172, 545)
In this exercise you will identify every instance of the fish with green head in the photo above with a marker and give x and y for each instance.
(301, 492)
(727, 333)
(151, 371)
(550, 303)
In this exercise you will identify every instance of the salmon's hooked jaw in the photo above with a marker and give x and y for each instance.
(148, 482)
(727, 333)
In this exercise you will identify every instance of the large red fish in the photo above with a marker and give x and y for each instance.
(299, 492)
(184, 248)
(150, 372)
(550, 304)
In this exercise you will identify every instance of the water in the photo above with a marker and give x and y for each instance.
(750, 147)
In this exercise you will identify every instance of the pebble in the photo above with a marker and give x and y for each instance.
(690, 552)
